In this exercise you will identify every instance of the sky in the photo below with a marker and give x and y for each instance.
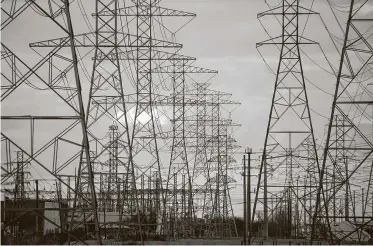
(222, 37)
(227, 34)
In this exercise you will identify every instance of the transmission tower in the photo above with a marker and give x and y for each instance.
(349, 143)
(201, 148)
(55, 80)
(19, 174)
(180, 189)
(289, 123)
(129, 154)
(106, 104)
(144, 135)
(106, 95)
(206, 149)
(217, 202)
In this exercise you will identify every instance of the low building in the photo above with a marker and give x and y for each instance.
(30, 217)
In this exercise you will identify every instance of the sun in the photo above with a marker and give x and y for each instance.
(143, 118)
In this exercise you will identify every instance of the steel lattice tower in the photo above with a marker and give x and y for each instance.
(217, 203)
(144, 134)
(180, 189)
(126, 153)
(178, 207)
(201, 117)
(113, 163)
(349, 144)
(179, 158)
(18, 174)
(200, 159)
(289, 121)
(106, 104)
(62, 82)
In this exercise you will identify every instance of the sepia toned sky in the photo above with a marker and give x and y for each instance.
(222, 37)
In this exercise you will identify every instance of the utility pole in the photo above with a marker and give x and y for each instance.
(248, 152)
(246, 218)
(347, 210)
(362, 204)
(247, 196)
(354, 205)
(37, 206)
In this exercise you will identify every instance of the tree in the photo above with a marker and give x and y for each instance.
(240, 225)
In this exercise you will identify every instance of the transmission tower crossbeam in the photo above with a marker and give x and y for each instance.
(11, 10)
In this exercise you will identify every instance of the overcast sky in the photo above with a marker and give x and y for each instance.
(222, 37)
